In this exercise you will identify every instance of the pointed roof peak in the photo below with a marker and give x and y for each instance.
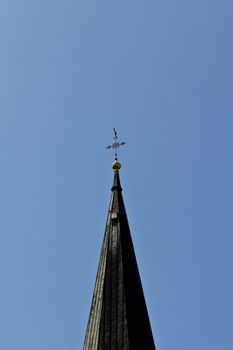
(116, 182)
(118, 317)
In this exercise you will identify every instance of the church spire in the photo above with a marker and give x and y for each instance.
(118, 318)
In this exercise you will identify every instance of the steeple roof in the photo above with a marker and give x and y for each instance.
(118, 318)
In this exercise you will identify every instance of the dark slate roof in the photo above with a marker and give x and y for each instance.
(118, 318)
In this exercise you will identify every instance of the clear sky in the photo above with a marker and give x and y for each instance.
(161, 73)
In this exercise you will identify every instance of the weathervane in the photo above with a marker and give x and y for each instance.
(116, 144)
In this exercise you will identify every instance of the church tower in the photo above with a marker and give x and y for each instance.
(118, 318)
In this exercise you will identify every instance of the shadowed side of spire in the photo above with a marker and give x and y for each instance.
(118, 318)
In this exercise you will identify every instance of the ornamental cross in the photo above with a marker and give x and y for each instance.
(116, 144)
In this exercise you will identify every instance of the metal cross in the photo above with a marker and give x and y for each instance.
(116, 144)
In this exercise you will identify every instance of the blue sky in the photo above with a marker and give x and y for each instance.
(161, 73)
